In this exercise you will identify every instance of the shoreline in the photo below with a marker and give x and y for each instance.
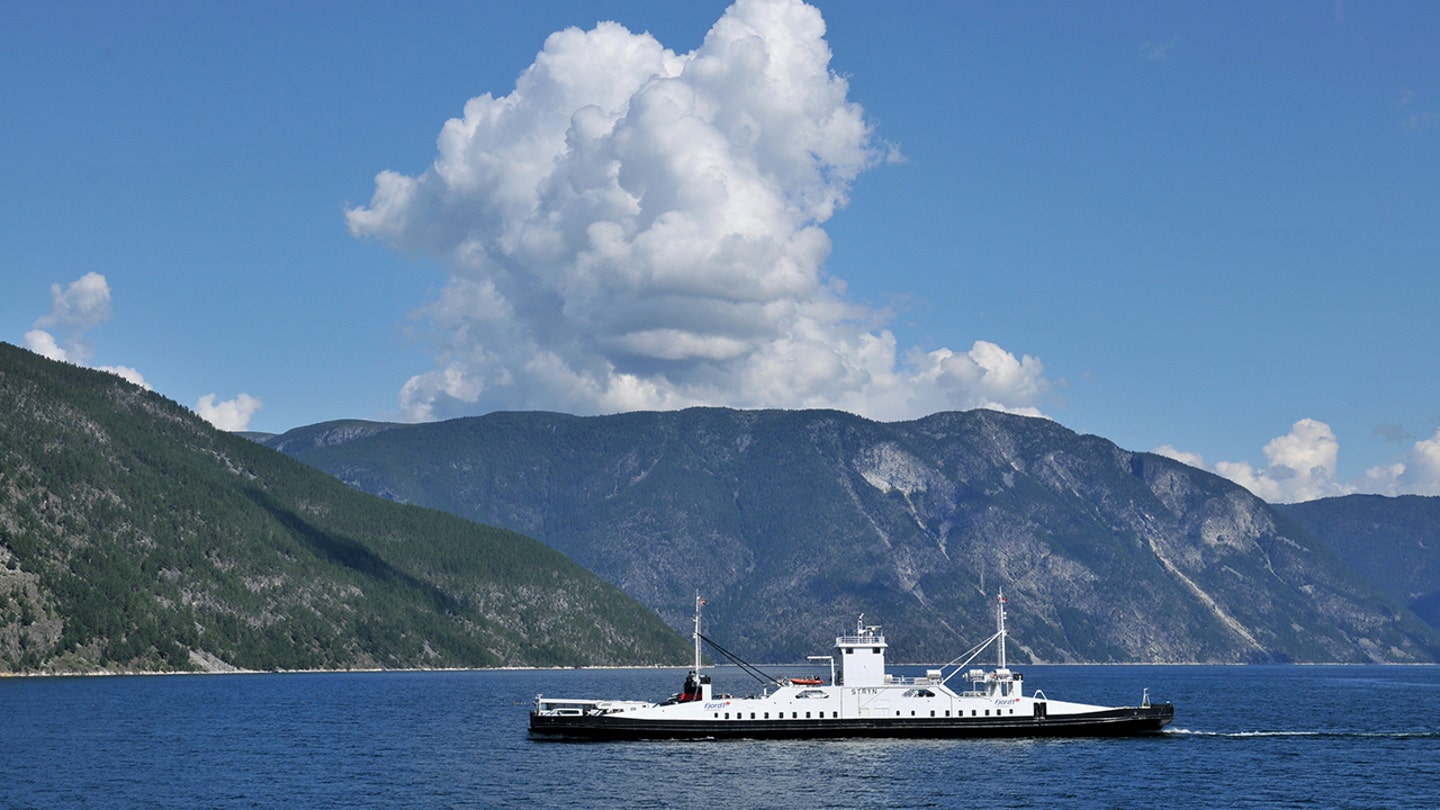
(624, 667)
(356, 670)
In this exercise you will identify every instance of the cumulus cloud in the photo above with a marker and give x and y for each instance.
(1417, 474)
(126, 373)
(631, 228)
(1182, 456)
(231, 414)
(1300, 466)
(75, 309)
(43, 343)
(83, 304)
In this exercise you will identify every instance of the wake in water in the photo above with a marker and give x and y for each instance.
(1329, 735)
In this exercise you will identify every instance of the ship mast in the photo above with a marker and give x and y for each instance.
(1000, 622)
(699, 603)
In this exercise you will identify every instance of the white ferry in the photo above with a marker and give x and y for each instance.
(863, 701)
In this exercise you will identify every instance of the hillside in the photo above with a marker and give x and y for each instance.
(1393, 542)
(792, 523)
(133, 536)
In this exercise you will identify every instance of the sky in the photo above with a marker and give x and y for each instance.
(1206, 230)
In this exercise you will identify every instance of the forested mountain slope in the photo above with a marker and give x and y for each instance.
(134, 536)
(1393, 542)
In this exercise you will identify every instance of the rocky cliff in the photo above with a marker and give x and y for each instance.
(792, 523)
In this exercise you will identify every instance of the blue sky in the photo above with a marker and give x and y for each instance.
(1209, 229)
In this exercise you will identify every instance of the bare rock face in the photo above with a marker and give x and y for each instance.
(791, 523)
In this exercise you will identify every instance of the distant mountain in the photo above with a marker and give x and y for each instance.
(793, 523)
(133, 536)
(1393, 542)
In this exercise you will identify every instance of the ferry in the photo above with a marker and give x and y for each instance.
(861, 700)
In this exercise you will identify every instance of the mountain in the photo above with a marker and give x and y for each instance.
(1393, 542)
(791, 523)
(134, 536)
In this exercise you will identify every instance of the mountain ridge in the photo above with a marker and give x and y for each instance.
(791, 521)
(1393, 542)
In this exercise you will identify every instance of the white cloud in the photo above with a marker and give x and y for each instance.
(1169, 451)
(80, 305)
(231, 414)
(630, 228)
(1310, 448)
(1417, 474)
(1422, 469)
(75, 309)
(1300, 466)
(84, 304)
(43, 343)
(127, 374)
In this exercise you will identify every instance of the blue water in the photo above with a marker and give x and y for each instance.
(1361, 737)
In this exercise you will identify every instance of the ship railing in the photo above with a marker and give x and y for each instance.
(869, 639)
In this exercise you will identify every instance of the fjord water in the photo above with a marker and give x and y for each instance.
(1257, 736)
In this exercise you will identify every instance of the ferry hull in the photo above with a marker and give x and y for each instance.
(862, 700)
(1117, 722)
